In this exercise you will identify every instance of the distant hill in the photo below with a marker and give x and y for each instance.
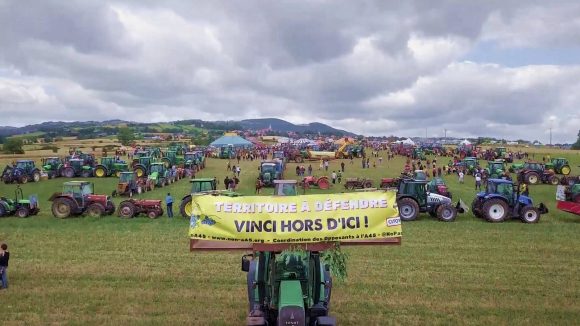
(183, 126)
(285, 126)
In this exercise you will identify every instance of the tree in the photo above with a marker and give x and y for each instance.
(13, 146)
(576, 145)
(126, 135)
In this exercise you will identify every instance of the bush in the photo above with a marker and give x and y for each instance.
(13, 146)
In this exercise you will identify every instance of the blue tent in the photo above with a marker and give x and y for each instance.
(233, 140)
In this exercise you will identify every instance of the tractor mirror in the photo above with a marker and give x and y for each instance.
(246, 263)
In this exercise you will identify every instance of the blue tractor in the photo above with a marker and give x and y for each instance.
(502, 200)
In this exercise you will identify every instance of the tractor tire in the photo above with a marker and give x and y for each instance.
(323, 183)
(299, 159)
(23, 212)
(95, 210)
(152, 215)
(185, 208)
(532, 178)
(140, 170)
(62, 208)
(530, 214)
(565, 169)
(86, 174)
(408, 209)
(495, 210)
(126, 210)
(349, 186)
(68, 172)
(476, 209)
(101, 171)
(368, 184)
(36, 176)
(23, 179)
(554, 180)
(446, 213)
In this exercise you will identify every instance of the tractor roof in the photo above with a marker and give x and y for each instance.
(157, 163)
(414, 181)
(202, 180)
(51, 157)
(76, 183)
(24, 161)
(286, 181)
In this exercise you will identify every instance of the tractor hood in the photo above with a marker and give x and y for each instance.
(98, 198)
(436, 198)
(154, 176)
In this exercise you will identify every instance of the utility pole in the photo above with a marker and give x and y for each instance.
(550, 135)
(445, 133)
(425, 133)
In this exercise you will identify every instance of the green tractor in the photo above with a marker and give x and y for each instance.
(142, 166)
(413, 198)
(77, 167)
(172, 159)
(53, 166)
(494, 169)
(418, 154)
(22, 172)
(158, 174)
(198, 186)
(19, 206)
(191, 161)
(516, 167)
(533, 173)
(227, 152)
(559, 165)
(470, 164)
(271, 171)
(110, 167)
(288, 287)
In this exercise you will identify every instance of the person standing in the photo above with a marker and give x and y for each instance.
(342, 166)
(227, 182)
(310, 169)
(238, 170)
(169, 204)
(333, 177)
(4, 258)
(477, 181)
(339, 176)
(461, 175)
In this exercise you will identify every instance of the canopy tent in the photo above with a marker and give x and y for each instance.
(465, 142)
(229, 139)
(303, 141)
(408, 141)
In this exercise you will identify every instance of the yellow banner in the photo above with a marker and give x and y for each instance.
(299, 219)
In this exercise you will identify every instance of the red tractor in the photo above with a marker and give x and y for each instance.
(390, 182)
(309, 181)
(132, 207)
(77, 198)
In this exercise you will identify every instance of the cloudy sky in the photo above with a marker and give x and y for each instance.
(476, 68)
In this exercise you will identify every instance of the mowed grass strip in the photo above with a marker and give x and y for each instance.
(112, 271)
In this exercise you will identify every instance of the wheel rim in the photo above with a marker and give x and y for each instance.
(63, 209)
(447, 213)
(100, 173)
(496, 212)
(531, 215)
(139, 173)
(533, 179)
(36, 177)
(126, 212)
(565, 170)
(93, 212)
(407, 211)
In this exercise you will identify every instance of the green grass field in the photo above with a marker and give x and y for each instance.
(140, 271)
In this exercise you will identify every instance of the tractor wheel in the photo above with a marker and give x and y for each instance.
(446, 213)
(565, 170)
(68, 172)
(530, 214)
(62, 208)
(298, 159)
(554, 180)
(36, 176)
(368, 184)
(349, 186)
(495, 210)
(185, 208)
(95, 210)
(22, 212)
(475, 208)
(408, 209)
(126, 210)
(86, 174)
(140, 170)
(323, 183)
(23, 179)
(532, 178)
(100, 172)
(152, 214)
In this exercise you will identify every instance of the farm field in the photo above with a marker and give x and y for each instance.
(140, 271)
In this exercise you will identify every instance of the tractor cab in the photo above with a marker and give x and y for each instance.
(279, 155)
(127, 184)
(495, 168)
(20, 206)
(49, 163)
(198, 186)
(270, 171)
(503, 188)
(438, 186)
(285, 188)
(25, 165)
(413, 188)
(559, 165)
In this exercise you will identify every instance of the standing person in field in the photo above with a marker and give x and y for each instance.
(477, 180)
(310, 169)
(461, 175)
(169, 204)
(238, 170)
(4, 258)
(333, 177)
(339, 176)
(258, 185)
(342, 166)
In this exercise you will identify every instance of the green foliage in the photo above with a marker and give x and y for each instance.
(336, 259)
(13, 146)
(126, 135)
(576, 145)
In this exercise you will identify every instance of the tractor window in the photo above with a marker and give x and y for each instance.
(87, 189)
(21, 165)
(505, 189)
(156, 168)
(292, 266)
(267, 168)
(289, 190)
